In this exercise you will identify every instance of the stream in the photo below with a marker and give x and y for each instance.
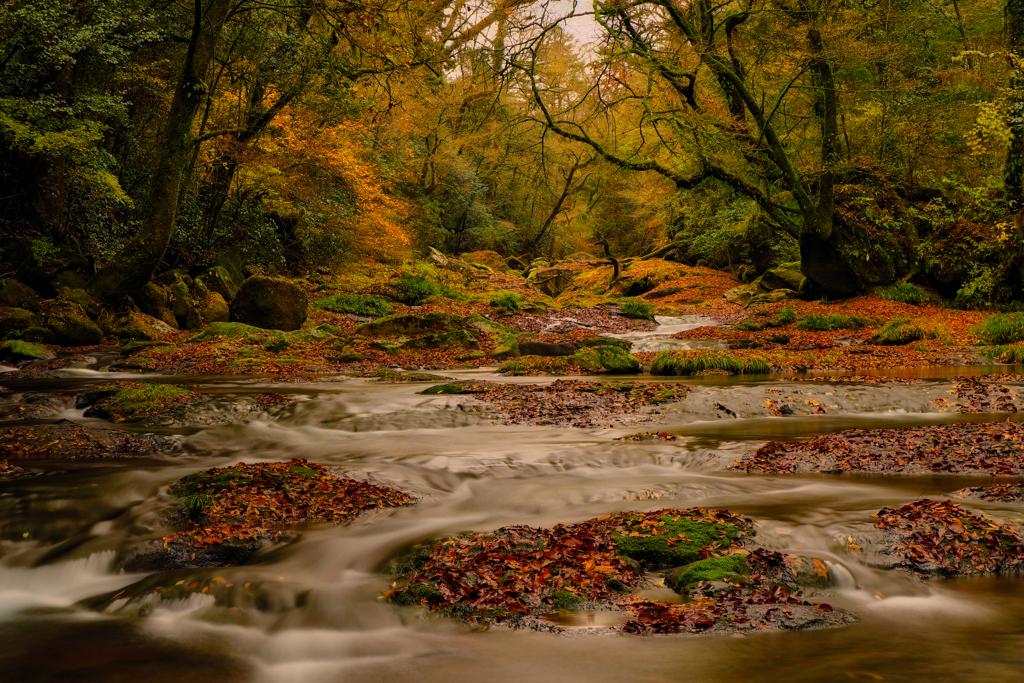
(318, 615)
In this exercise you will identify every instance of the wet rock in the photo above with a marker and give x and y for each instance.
(71, 325)
(271, 303)
(66, 439)
(15, 321)
(14, 294)
(609, 359)
(536, 348)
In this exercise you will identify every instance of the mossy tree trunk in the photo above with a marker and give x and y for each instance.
(134, 265)
(1013, 173)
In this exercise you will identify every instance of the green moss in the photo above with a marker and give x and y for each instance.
(748, 326)
(832, 321)
(139, 399)
(228, 330)
(303, 471)
(535, 365)
(202, 481)
(354, 304)
(609, 359)
(347, 357)
(1007, 328)
(679, 542)
(637, 309)
(563, 599)
(905, 293)
(507, 302)
(21, 350)
(607, 341)
(730, 568)
(787, 316)
(444, 389)
(901, 331)
(414, 290)
(692, 362)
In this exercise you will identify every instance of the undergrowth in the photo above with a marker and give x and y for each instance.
(354, 304)
(692, 362)
(904, 293)
(637, 309)
(902, 331)
(832, 321)
(1007, 328)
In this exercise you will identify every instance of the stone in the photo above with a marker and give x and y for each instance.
(215, 309)
(16, 320)
(137, 326)
(785, 276)
(228, 330)
(71, 326)
(772, 297)
(182, 306)
(624, 344)
(610, 359)
(411, 324)
(490, 259)
(459, 337)
(218, 279)
(39, 335)
(151, 300)
(551, 281)
(13, 294)
(68, 279)
(16, 350)
(740, 295)
(271, 303)
(449, 263)
(536, 348)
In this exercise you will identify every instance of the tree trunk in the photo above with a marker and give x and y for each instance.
(1013, 172)
(134, 265)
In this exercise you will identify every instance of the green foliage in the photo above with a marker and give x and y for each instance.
(611, 359)
(748, 326)
(354, 304)
(904, 293)
(832, 321)
(277, 344)
(787, 316)
(507, 302)
(692, 362)
(680, 542)
(730, 568)
(979, 289)
(413, 290)
(1007, 328)
(902, 331)
(196, 505)
(637, 309)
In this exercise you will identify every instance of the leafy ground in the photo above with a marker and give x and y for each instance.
(567, 403)
(65, 439)
(942, 538)
(1003, 493)
(518, 573)
(989, 448)
(259, 502)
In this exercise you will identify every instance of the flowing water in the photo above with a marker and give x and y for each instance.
(318, 617)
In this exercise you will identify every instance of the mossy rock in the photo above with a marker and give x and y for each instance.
(13, 321)
(133, 346)
(16, 350)
(313, 334)
(347, 357)
(151, 300)
(446, 389)
(411, 324)
(136, 326)
(133, 401)
(219, 280)
(623, 344)
(215, 309)
(183, 306)
(228, 331)
(72, 326)
(784, 276)
(679, 542)
(563, 599)
(39, 335)
(270, 303)
(387, 346)
(728, 569)
(14, 294)
(461, 338)
(610, 359)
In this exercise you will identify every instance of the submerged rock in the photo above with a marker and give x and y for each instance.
(66, 439)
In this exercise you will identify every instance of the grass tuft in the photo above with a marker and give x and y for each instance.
(1007, 328)
(507, 302)
(902, 331)
(904, 293)
(832, 321)
(637, 309)
(692, 362)
(354, 304)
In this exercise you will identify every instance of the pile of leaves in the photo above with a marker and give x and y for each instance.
(259, 501)
(763, 599)
(66, 439)
(645, 437)
(124, 401)
(9, 471)
(941, 537)
(520, 570)
(1000, 493)
(572, 403)
(987, 448)
(982, 395)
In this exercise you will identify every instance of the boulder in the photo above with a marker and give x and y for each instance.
(411, 324)
(785, 276)
(536, 348)
(490, 259)
(39, 335)
(16, 320)
(136, 326)
(459, 337)
(551, 281)
(215, 309)
(151, 300)
(270, 302)
(609, 359)
(69, 279)
(71, 326)
(449, 263)
(13, 294)
(219, 280)
(182, 306)
(740, 295)
(15, 351)
(772, 297)
(608, 341)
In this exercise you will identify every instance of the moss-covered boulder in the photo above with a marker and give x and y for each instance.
(14, 294)
(772, 297)
(151, 300)
(215, 309)
(270, 302)
(229, 331)
(610, 359)
(71, 325)
(137, 326)
(491, 259)
(16, 351)
(624, 344)
(39, 335)
(218, 279)
(411, 324)
(460, 337)
(14, 321)
(452, 388)
(733, 569)
(536, 348)
(130, 401)
(785, 276)
(183, 306)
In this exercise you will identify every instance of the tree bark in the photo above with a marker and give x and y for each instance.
(1013, 172)
(134, 265)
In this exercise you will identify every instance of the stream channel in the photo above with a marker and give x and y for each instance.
(318, 616)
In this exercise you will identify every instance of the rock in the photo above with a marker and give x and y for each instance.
(459, 337)
(13, 294)
(72, 326)
(182, 306)
(551, 281)
(40, 335)
(772, 297)
(271, 303)
(740, 295)
(15, 350)
(609, 359)
(80, 298)
(387, 346)
(16, 320)
(535, 348)
(169, 318)
(151, 300)
(449, 263)
(411, 324)
(229, 331)
(786, 276)
(138, 326)
(607, 341)
(219, 280)
(215, 309)
(490, 259)
(69, 279)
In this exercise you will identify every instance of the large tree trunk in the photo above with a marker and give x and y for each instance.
(1013, 173)
(134, 265)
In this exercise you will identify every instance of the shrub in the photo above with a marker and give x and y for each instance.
(354, 304)
(507, 302)
(787, 316)
(901, 331)
(1007, 328)
(748, 326)
(904, 293)
(692, 362)
(413, 290)
(832, 321)
(637, 309)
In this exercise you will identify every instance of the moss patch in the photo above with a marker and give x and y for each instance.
(729, 568)
(127, 400)
(673, 540)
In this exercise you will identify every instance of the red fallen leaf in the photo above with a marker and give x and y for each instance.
(823, 607)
